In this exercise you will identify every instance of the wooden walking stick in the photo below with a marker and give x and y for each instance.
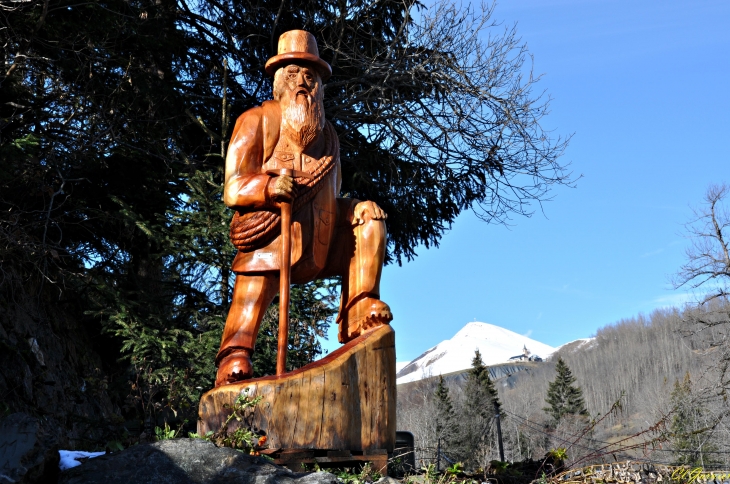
(285, 268)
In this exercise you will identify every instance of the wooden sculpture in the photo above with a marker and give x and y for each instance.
(322, 236)
(283, 180)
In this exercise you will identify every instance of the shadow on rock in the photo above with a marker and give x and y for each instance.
(183, 461)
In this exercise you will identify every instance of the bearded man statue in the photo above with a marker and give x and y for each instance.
(330, 236)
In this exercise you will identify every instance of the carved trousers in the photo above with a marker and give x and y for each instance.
(356, 253)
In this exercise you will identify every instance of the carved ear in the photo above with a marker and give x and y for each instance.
(271, 121)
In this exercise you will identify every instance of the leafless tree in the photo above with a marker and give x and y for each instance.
(707, 268)
(708, 257)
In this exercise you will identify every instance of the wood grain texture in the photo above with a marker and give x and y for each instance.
(345, 401)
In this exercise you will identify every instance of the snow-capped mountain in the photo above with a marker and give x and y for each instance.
(496, 345)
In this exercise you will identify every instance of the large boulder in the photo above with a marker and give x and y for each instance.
(28, 454)
(186, 461)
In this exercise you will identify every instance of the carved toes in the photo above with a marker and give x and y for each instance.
(365, 314)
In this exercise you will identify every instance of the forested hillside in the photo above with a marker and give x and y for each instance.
(652, 386)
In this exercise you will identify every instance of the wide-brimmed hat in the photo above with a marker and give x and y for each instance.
(298, 46)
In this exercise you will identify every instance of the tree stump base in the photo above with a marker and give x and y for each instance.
(343, 402)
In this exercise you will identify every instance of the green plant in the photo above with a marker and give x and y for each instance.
(195, 435)
(243, 402)
(558, 455)
(499, 467)
(165, 433)
(346, 476)
(430, 473)
(455, 469)
(243, 437)
(395, 466)
(349, 475)
(114, 445)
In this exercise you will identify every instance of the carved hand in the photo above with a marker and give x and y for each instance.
(368, 207)
(281, 189)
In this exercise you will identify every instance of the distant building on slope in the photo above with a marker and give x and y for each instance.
(525, 356)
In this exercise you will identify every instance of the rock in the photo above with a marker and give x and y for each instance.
(387, 480)
(186, 461)
(27, 453)
(48, 352)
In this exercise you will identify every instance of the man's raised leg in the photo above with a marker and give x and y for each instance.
(252, 295)
(362, 309)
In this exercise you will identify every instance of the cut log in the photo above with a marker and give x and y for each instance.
(345, 401)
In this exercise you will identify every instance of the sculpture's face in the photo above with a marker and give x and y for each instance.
(299, 92)
(296, 79)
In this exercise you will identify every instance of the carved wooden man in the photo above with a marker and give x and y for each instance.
(330, 235)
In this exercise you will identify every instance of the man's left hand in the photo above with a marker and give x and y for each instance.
(373, 211)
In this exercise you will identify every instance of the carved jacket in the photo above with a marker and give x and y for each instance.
(256, 228)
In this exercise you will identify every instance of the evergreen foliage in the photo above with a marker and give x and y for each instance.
(115, 116)
(446, 422)
(480, 391)
(477, 434)
(691, 428)
(563, 397)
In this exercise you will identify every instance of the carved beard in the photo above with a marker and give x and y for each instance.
(302, 118)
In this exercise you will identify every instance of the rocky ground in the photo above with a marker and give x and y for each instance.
(183, 461)
(27, 457)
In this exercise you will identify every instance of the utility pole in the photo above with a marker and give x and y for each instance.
(499, 431)
(438, 456)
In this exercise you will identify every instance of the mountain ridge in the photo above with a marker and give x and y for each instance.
(496, 345)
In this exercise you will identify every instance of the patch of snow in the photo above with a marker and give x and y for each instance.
(399, 365)
(496, 345)
(68, 458)
(578, 344)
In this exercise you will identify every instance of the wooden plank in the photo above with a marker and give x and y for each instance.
(290, 455)
(364, 364)
(264, 414)
(339, 453)
(250, 413)
(352, 403)
(380, 464)
(311, 414)
(286, 410)
(382, 423)
(299, 425)
(332, 435)
(389, 359)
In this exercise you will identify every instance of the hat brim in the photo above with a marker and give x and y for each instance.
(324, 69)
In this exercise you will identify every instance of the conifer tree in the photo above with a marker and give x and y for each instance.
(445, 417)
(480, 390)
(563, 397)
(115, 117)
(691, 433)
(478, 415)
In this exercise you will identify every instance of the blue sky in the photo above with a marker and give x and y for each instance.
(644, 88)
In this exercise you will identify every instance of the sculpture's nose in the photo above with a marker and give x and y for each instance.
(301, 81)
